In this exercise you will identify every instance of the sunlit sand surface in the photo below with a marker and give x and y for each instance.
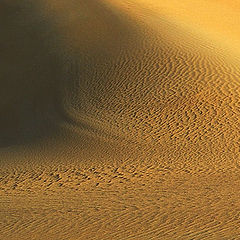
(120, 119)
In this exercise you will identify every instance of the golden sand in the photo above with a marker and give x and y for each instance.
(120, 119)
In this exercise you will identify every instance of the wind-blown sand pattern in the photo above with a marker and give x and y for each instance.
(120, 119)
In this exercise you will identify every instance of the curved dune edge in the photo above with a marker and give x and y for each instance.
(217, 21)
(130, 125)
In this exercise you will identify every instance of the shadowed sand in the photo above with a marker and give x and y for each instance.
(119, 120)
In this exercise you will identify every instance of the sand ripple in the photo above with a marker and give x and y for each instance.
(117, 122)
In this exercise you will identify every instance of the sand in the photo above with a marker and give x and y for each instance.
(119, 120)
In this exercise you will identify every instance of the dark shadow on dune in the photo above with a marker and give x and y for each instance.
(36, 75)
(29, 76)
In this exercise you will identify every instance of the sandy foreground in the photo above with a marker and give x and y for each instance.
(120, 119)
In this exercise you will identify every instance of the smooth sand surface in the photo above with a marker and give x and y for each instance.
(120, 119)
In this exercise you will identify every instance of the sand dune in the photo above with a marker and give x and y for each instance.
(119, 120)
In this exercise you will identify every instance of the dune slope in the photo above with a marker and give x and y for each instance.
(119, 120)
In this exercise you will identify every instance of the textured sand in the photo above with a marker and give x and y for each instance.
(120, 119)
